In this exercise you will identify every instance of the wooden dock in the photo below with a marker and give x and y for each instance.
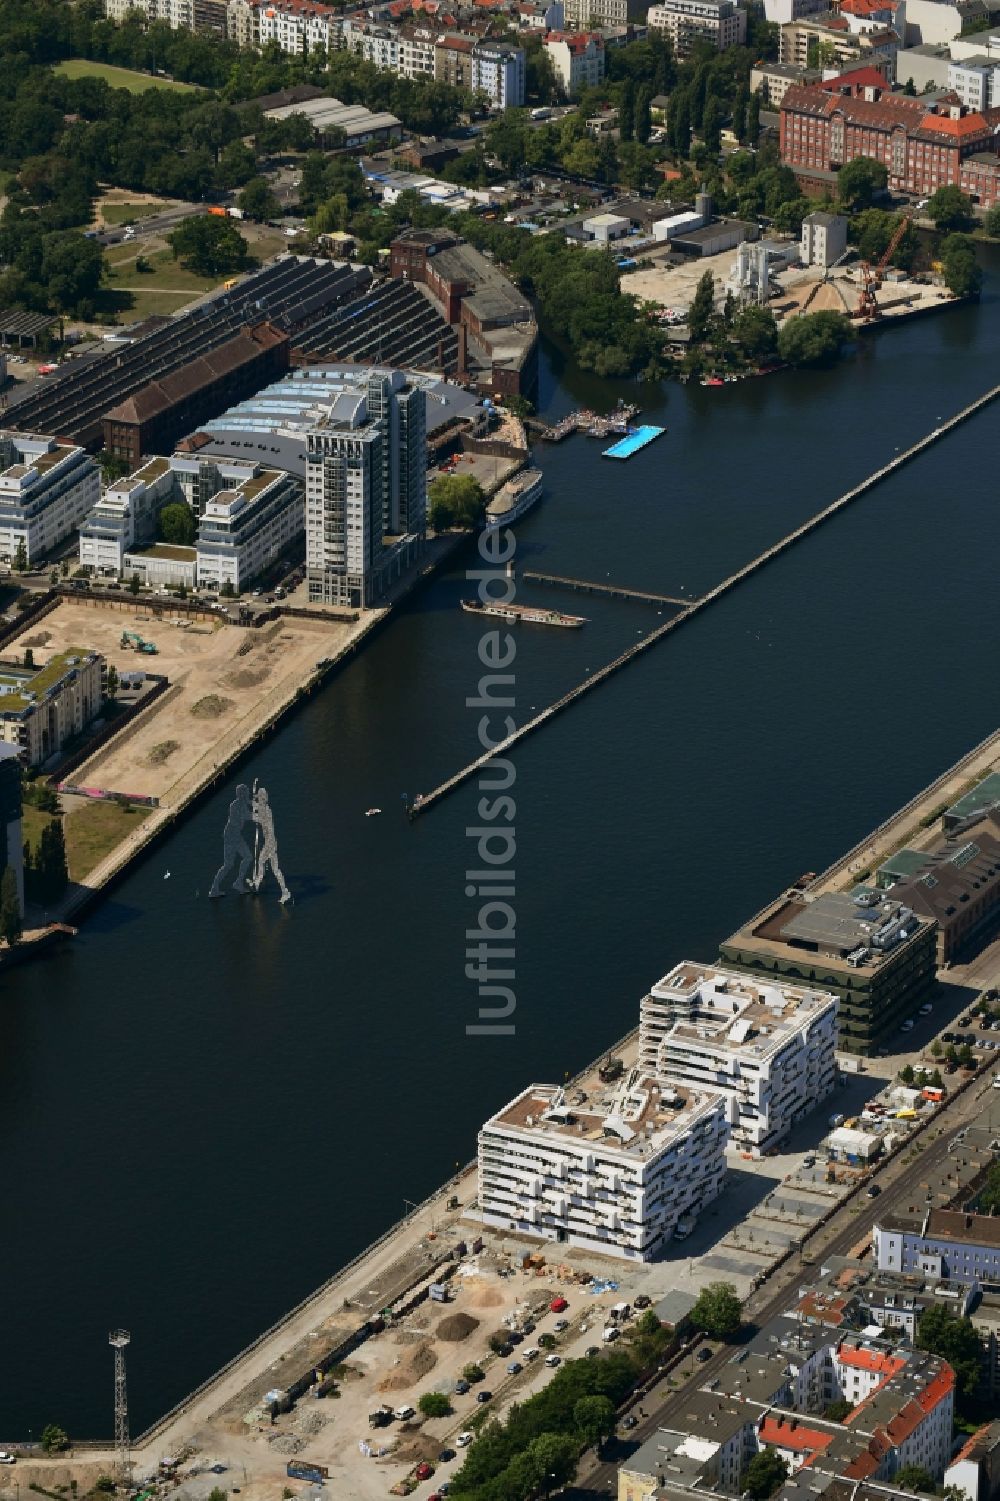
(616, 591)
(427, 800)
(585, 421)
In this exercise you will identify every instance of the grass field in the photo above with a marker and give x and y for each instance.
(118, 78)
(167, 286)
(93, 831)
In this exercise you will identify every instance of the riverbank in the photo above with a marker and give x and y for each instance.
(229, 687)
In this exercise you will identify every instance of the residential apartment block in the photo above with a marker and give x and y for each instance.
(42, 707)
(723, 23)
(577, 58)
(769, 1049)
(947, 1244)
(498, 73)
(297, 26)
(608, 1169)
(771, 1394)
(591, 14)
(826, 41)
(246, 527)
(46, 489)
(453, 60)
(923, 145)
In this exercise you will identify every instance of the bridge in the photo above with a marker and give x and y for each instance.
(695, 607)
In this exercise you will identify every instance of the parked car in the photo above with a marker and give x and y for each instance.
(463, 1440)
(553, 1360)
(530, 1354)
(424, 1471)
(558, 1305)
(461, 1386)
(809, 1160)
(643, 1301)
(704, 1353)
(873, 1190)
(631, 1421)
(484, 1397)
(926, 1009)
(560, 1325)
(515, 1337)
(592, 1350)
(515, 1368)
(403, 1414)
(445, 1456)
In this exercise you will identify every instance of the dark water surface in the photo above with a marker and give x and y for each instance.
(206, 1108)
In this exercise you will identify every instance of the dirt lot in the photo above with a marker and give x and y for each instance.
(223, 679)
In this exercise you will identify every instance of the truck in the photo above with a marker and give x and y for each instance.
(235, 213)
(303, 1469)
(381, 1417)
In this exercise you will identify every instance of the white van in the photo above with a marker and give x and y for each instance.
(403, 1414)
(611, 1333)
(529, 1354)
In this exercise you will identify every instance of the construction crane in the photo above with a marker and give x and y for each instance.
(871, 276)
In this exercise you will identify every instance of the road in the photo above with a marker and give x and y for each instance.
(143, 228)
(855, 1217)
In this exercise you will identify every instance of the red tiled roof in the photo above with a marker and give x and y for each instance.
(789, 1433)
(871, 1360)
(968, 125)
(861, 78)
(863, 7)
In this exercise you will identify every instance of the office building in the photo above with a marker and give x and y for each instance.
(42, 707)
(498, 74)
(46, 489)
(769, 1050)
(365, 485)
(722, 23)
(956, 882)
(824, 239)
(249, 526)
(827, 36)
(878, 959)
(923, 145)
(577, 58)
(612, 1169)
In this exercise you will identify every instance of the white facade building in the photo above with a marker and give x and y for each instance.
(577, 58)
(976, 81)
(46, 489)
(611, 1172)
(42, 706)
(824, 239)
(498, 72)
(721, 22)
(768, 1048)
(243, 530)
(297, 25)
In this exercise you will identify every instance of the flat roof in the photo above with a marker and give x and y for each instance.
(730, 1010)
(981, 796)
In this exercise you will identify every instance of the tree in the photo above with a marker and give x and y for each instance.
(915, 1478)
(29, 657)
(111, 682)
(643, 116)
(177, 524)
(10, 907)
(962, 274)
(906, 1074)
(555, 1456)
(20, 556)
(753, 118)
(756, 334)
(50, 872)
(54, 1439)
(813, 338)
(718, 1311)
(434, 1405)
(547, 1341)
(702, 308)
(740, 106)
(626, 112)
(937, 1048)
(258, 201)
(133, 584)
(858, 181)
(766, 1473)
(455, 500)
(209, 245)
(473, 1372)
(992, 222)
(594, 1418)
(950, 208)
(956, 1341)
(499, 1342)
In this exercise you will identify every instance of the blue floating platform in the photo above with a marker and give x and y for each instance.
(626, 447)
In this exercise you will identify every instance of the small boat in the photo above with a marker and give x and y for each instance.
(530, 614)
(372, 812)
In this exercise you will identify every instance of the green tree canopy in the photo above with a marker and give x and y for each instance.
(54, 1439)
(813, 338)
(434, 1405)
(177, 525)
(950, 208)
(992, 222)
(858, 181)
(836, 1412)
(766, 1473)
(915, 1478)
(702, 308)
(594, 1418)
(209, 245)
(961, 270)
(258, 201)
(10, 907)
(718, 1311)
(455, 500)
(956, 1341)
(756, 334)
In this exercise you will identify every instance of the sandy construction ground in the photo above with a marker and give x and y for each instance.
(224, 681)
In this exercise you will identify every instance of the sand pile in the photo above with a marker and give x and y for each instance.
(413, 1367)
(485, 1297)
(456, 1326)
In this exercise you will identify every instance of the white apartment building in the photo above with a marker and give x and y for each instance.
(124, 516)
(415, 56)
(976, 81)
(498, 72)
(243, 530)
(41, 707)
(297, 25)
(769, 1049)
(824, 238)
(607, 1169)
(782, 12)
(46, 489)
(379, 45)
(593, 13)
(577, 59)
(721, 22)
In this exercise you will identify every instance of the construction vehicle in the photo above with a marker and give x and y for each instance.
(871, 276)
(132, 641)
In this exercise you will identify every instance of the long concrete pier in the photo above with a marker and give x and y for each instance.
(427, 800)
(617, 591)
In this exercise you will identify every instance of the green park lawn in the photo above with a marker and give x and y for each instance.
(93, 831)
(118, 78)
(166, 287)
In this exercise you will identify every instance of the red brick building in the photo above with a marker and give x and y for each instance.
(922, 146)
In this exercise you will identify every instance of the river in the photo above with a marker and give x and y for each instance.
(206, 1108)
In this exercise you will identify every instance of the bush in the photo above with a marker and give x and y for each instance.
(434, 1405)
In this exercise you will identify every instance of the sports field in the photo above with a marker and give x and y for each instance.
(118, 78)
